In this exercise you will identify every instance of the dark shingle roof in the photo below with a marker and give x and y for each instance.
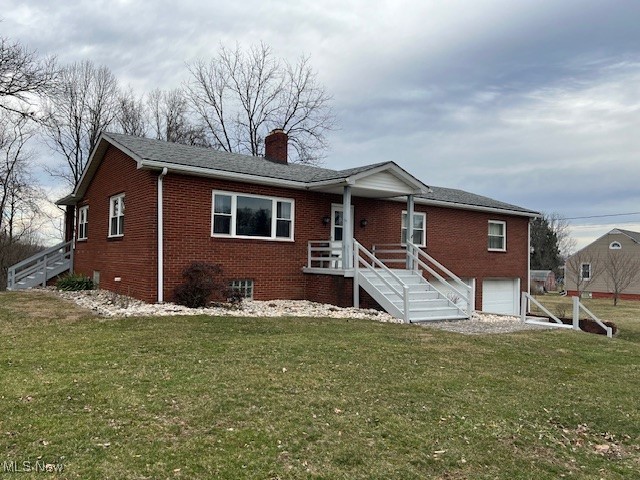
(200, 157)
(634, 235)
(208, 158)
(452, 195)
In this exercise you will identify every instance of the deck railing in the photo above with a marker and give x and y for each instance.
(324, 254)
(35, 270)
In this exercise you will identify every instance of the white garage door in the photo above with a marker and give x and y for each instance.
(501, 295)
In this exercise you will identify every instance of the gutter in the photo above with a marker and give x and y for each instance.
(160, 226)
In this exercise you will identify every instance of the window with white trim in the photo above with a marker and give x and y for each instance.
(585, 271)
(497, 240)
(116, 216)
(615, 246)
(83, 223)
(419, 229)
(252, 216)
(242, 287)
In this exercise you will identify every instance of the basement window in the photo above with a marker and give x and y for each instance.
(497, 241)
(83, 223)
(252, 216)
(116, 216)
(243, 287)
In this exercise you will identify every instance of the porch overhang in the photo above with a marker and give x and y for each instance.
(384, 181)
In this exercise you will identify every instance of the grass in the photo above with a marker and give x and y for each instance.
(202, 397)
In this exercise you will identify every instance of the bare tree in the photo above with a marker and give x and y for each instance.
(578, 274)
(85, 103)
(132, 115)
(242, 95)
(621, 270)
(560, 226)
(170, 118)
(20, 197)
(23, 77)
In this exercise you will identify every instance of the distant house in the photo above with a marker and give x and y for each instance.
(586, 270)
(291, 231)
(542, 281)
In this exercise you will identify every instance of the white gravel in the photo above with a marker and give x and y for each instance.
(109, 304)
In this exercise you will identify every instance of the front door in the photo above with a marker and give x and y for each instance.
(337, 231)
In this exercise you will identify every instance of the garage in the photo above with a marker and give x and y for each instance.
(501, 295)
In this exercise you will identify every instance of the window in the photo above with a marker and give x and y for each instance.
(497, 236)
(419, 229)
(243, 287)
(83, 223)
(116, 216)
(239, 215)
(585, 271)
(615, 246)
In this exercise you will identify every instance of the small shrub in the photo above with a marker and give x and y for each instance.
(561, 311)
(74, 282)
(200, 285)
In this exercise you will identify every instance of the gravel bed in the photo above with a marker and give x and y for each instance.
(109, 304)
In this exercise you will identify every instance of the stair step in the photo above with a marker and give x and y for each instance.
(438, 319)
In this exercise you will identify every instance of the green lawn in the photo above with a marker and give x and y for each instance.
(201, 397)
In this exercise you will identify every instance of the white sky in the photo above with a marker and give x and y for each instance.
(535, 103)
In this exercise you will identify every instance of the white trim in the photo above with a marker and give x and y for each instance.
(423, 242)
(112, 215)
(84, 209)
(160, 285)
(615, 245)
(233, 215)
(504, 235)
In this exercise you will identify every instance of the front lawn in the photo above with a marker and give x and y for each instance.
(203, 397)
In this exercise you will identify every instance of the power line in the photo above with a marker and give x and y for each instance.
(603, 216)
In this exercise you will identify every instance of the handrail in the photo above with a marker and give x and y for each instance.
(39, 262)
(358, 247)
(43, 253)
(467, 292)
(314, 246)
(577, 305)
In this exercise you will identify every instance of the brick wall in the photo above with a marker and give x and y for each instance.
(133, 256)
(456, 238)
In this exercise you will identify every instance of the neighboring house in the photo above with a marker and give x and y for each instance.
(285, 231)
(543, 281)
(590, 269)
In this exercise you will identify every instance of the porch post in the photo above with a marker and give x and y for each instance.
(410, 209)
(347, 232)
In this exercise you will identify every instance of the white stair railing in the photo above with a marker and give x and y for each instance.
(42, 266)
(363, 258)
(415, 258)
(575, 324)
(419, 258)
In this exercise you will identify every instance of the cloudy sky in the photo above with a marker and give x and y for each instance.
(532, 102)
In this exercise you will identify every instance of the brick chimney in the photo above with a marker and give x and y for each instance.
(275, 146)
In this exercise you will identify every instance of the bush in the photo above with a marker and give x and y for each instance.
(74, 282)
(200, 285)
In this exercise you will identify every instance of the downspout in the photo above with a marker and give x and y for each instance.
(528, 264)
(160, 238)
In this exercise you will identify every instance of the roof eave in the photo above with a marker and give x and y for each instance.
(214, 173)
(482, 208)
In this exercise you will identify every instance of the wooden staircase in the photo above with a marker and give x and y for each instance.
(41, 267)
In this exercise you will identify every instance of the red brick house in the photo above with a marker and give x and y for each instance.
(287, 231)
